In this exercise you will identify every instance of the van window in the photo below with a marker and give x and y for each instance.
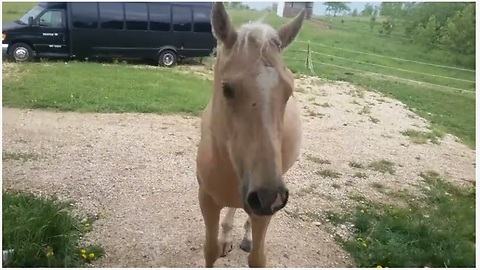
(160, 17)
(136, 16)
(201, 20)
(84, 15)
(182, 19)
(111, 15)
(52, 18)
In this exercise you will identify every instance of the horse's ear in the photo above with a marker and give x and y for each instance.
(288, 32)
(222, 26)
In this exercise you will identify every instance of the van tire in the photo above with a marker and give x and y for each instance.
(167, 58)
(20, 52)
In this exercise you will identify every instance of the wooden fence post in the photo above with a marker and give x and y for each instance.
(309, 63)
(308, 52)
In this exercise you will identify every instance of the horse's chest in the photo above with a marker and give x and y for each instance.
(221, 183)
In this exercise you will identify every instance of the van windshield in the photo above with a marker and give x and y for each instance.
(32, 13)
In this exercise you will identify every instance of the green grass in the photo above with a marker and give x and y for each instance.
(94, 87)
(437, 231)
(42, 233)
(13, 11)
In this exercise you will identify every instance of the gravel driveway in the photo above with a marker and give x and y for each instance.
(139, 169)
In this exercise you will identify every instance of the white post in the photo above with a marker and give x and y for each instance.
(280, 8)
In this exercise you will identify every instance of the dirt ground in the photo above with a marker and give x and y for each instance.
(139, 169)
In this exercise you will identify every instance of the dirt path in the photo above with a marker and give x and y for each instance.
(139, 169)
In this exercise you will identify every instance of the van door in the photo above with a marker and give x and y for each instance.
(52, 30)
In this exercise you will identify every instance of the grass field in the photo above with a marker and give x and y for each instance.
(438, 231)
(105, 88)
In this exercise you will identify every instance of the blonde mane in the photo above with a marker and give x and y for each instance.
(258, 32)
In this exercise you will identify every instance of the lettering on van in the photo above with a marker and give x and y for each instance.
(50, 34)
(54, 46)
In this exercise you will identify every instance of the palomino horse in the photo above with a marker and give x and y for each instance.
(250, 134)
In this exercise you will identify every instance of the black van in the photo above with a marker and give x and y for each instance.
(163, 31)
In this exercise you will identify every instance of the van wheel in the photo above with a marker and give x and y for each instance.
(167, 58)
(21, 52)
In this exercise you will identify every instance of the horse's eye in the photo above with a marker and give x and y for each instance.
(228, 90)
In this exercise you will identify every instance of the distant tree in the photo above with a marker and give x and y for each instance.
(459, 31)
(373, 22)
(367, 10)
(236, 5)
(355, 13)
(337, 7)
(447, 25)
(388, 26)
(392, 9)
(427, 34)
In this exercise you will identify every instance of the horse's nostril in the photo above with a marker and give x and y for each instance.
(254, 201)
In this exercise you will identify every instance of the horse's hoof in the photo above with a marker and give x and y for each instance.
(246, 245)
(225, 248)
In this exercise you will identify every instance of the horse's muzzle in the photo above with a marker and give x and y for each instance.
(266, 202)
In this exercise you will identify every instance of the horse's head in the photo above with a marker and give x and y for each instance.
(252, 87)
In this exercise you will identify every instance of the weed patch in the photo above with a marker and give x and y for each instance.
(328, 173)
(43, 233)
(383, 166)
(355, 164)
(364, 110)
(421, 137)
(360, 175)
(318, 160)
(438, 231)
(6, 155)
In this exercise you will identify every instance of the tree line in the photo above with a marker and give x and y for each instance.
(444, 25)
(447, 25)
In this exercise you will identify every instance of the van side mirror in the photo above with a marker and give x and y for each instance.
(30, 21)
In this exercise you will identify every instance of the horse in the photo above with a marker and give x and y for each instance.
(251, 133)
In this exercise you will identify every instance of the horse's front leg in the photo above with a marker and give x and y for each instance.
(226, 233)
(257, 257)
(211, 216)
(246, 244)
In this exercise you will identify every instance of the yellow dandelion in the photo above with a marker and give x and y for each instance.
(87, 225)
(49, 251)
(83, 251)
(359, 239)
(91, 255)
(365, 244)
(379, 266)
(84, 256)
(362, 211)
